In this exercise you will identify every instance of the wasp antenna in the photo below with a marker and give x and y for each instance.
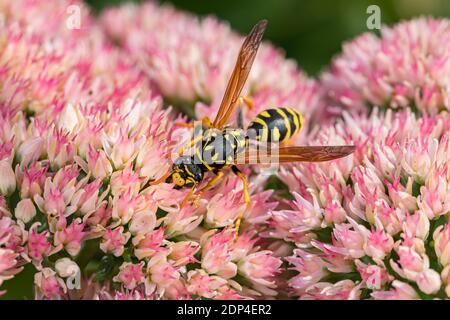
(162, 179)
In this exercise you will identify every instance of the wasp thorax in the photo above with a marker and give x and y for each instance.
(185, 173)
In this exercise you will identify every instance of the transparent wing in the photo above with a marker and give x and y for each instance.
(294, 154)
(240, 74)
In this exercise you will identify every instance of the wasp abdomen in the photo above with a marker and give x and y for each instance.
(275, 125)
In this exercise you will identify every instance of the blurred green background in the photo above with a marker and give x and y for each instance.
(310, 31)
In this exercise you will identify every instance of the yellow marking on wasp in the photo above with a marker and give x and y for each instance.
(199, 155)
(287, 123)
(179, 181)
(276, 134)
(265, 129)
(186, 168)
(260, 121)
(295, 116)
(215, 157)
(301, 120)
(265, 114)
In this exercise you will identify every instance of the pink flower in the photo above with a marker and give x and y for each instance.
(147, 245)
(216, 256)
(101, 216)
(8, 266)
(143, 221)
(400, 291)
(98, 164)
(310, 268)
(120, 148)
(342, 290)
(224, 207)
(393, 190)
(182, 221)
(71, 236)
(125, 180)
(441, 239)
(203, 285)
(260, 267)
(48, 285)
(38, 245)
(126, 205)
(60, 148)
(406, 66)
(162, 273)
(89, 198)
(183, 252)
(379, 244)
(114, 240)
(375, 277)
(130, 275)
(54, 201)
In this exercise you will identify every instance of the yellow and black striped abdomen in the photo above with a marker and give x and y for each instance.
(275, 125)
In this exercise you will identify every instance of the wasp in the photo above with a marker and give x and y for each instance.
(219, 146)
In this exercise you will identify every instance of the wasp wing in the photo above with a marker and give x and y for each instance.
(240, 74)
(293, 154)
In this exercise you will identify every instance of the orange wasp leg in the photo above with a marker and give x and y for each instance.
(206, 122)
(247, 101)
(210, 184)
(187, 197)
(198, 194)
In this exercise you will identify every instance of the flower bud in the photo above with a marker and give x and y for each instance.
(7, 178)
(25, 210)
(429, 281)
(66, 267)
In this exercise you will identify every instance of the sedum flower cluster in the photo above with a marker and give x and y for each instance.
(88, 107)
(375, 225)
(83, 130)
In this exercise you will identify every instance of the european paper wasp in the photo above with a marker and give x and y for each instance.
(219, 146)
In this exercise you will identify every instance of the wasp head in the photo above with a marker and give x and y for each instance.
(185, 173)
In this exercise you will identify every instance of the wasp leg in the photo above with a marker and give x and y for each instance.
(184, 125)
(249, 103)
(240, 119)
(246, 199)
(187, 197)
(210, 184)
(206, 122)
